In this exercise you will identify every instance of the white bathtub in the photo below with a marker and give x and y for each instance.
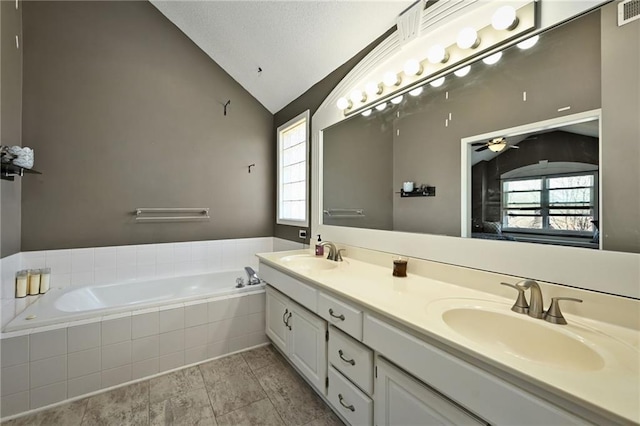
(72, 304)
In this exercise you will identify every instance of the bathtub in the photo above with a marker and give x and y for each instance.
(78, 303)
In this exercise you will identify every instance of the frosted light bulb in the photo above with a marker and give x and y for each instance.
(357, 96)
(437, 54)
(396, 100)
(528, 43)
(412, 67)
(504, 18)
(490, 60)
(438, 82)
(417, 91)
(391, 79)
(366, 113)
(373, 89)
(381, 106)
(462, 71)
(343, 103)
(468, 38)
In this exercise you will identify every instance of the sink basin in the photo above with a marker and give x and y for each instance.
(523, 337)
(305, 262)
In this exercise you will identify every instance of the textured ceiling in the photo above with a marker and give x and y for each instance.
(295, 43)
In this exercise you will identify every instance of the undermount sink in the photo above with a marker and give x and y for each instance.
(307, 262)
(522, 337)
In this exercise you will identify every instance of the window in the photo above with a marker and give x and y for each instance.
(293, 141)
(553, 204)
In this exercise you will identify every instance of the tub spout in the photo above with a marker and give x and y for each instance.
(252, 276)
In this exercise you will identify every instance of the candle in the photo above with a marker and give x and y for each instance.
(45, 278)
(34, 281)
(21, 283)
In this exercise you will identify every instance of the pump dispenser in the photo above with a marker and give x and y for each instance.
(319, 248)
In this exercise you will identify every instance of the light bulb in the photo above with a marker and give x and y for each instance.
(343, 103)
(390, 79)
(437, 54)
(504, 18)
(381, 106)
(528, 43)
(497, 147)
(468, 38)
(357, 96)
(417, 91)
(396, 100)
(462, 71)
(373, 89)
(366, 113)
(490, 60)
(438, 82)
(412, 67)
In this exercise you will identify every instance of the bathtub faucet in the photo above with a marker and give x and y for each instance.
(251, 274)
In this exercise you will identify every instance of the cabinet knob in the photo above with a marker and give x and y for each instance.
(340, 317)
(348, 407)
(348, 361)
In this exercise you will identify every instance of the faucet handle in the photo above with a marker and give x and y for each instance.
(553, 315)
(339, 255)
(521, 306)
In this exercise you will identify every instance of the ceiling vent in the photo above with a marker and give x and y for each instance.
(408, 22)
(628, 10)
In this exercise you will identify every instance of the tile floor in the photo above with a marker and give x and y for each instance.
(256, 387)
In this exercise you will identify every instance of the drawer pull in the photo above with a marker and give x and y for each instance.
(348, 407)
(286, 311)
(350, 361)
(288, 318)
(340, 317)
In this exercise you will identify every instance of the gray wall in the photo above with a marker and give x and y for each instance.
(124, 111)
(10, 123)
(621, 132)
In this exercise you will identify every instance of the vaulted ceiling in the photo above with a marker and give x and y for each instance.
(278, 49)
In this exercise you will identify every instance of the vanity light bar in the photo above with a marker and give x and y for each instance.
(507, 23)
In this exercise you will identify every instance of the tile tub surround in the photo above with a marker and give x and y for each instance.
(253, 387)
(104, 265)
(51, 364)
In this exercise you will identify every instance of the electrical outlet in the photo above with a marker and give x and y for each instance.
(302, 234)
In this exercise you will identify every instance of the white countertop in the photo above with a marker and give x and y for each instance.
(417, 301)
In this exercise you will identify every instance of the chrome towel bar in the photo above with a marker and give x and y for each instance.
(177, 214)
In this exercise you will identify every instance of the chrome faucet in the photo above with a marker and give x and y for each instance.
(334, 253)
(252, 276)
(536, 304)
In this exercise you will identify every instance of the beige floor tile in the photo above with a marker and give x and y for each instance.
(189, 408)
(291, 396)
(329, 419)
(223, 368)
(128, 405)
(64, 415)
(234, 392)
(261, 357)
(175, 384)
(259, 413)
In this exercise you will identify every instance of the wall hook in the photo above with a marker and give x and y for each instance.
(250, 166)
(226, 105)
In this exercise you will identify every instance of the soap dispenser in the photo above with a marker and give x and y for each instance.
(319, 247)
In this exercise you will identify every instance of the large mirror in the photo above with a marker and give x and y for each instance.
(415, 138)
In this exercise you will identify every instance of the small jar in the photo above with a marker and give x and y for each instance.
(45, 280)
(34, 282)
(22, 283)
(400, 267)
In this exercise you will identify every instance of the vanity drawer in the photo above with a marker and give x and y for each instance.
(296, 290)
(348, 400)
(351, 358)
(341, 315)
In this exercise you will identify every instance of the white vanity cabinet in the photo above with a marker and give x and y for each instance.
(299, 334)
(402, 400)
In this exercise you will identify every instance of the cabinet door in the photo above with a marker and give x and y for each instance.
(402, 400)
(308, 346)
(277, 314)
